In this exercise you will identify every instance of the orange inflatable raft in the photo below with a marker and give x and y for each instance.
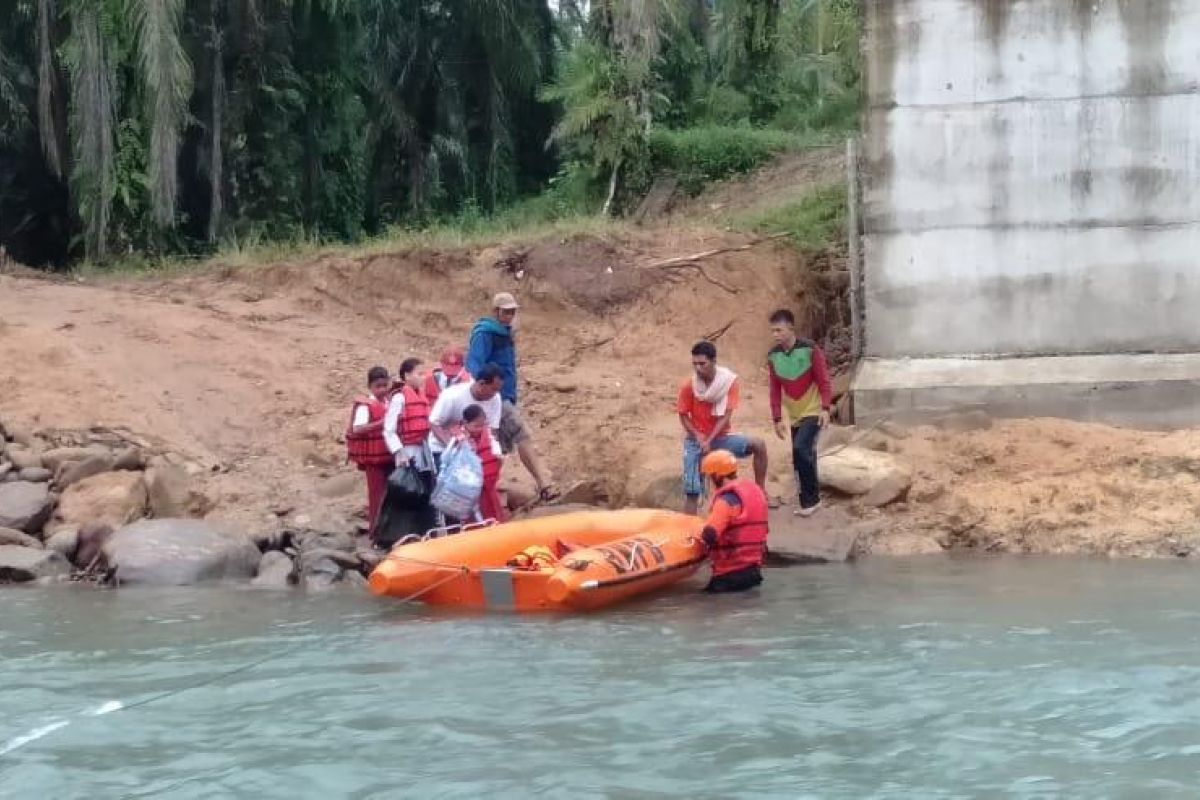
(571, 562)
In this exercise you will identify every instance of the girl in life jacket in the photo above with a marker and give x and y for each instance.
(735, 532)
(365, 445)
(406, 426)
(475, 430)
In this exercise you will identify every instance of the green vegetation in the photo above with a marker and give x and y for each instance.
(144, 130)
(810, 223)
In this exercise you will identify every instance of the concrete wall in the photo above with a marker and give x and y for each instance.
(1031, 177)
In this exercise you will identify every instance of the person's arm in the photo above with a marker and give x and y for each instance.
(776, 386)
(683, 405)
(719, 518)
(725, 420)
(362, 420)
(824, 386)
(440, 421)
(391, 426)
(479, 351)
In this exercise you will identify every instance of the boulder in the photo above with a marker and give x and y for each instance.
(53, 459)
(343, 559)
(315, 540)
(130, 459)
(167, 489)
(23, 457)
(92, 465)
(321, 573)
(20, 435)
(275, 571)
(35, 475)
(179, 552)
(343, 485)
(65, 541)
(835, 437)
(24, 506)
(22, 564)
(11, 477)
(115, 498)
(8, 536)
(905, 544)
(5, 469)
(856, 471)
(891, 489)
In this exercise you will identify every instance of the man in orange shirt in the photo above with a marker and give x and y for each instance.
(706, 404)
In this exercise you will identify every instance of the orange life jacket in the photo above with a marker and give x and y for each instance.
(744, 542)
(413, 426)
(368, 449)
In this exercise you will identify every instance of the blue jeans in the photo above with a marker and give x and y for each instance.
(693, 483)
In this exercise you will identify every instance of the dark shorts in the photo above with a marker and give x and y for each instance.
(513, 432)
(738, 581)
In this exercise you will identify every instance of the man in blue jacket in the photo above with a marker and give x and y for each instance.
(492, 343)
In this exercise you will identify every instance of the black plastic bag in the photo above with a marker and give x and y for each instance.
(407, 490)
(406, 508)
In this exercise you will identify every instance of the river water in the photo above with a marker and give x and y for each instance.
(921, 678)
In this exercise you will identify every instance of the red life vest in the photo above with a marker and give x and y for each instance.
(491, 462)
(368, 449)
(744, 542)
(414, 417)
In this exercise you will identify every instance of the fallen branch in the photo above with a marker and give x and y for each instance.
(718, 333)
(705, 275)
(685, 260)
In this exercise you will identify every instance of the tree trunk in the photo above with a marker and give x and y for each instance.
(612, 190)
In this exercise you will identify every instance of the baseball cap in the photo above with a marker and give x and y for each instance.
(452, 361)
(505, 301)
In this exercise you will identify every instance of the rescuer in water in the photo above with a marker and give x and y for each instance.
(735, 532)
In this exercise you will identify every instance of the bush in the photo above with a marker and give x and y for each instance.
(811, 222)
(701, 155)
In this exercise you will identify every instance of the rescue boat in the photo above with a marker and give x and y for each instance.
(572, 562)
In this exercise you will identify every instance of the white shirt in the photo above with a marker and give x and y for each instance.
(419, 453)
(448, 412)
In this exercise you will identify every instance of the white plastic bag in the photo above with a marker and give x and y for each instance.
(459, 483)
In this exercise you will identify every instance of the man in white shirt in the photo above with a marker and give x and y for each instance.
(447, 413)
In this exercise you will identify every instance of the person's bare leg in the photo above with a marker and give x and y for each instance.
(533, 463)
(759, 448)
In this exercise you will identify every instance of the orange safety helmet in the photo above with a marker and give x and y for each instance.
(719, 464)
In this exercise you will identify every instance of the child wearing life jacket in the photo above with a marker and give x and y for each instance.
(448, 372)
(475, 430)
(406, 426)
(365, 445)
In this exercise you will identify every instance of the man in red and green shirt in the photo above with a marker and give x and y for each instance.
(800, 386)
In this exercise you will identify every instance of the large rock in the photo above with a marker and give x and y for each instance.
(856, 471)
(170, 494)
(65, 541)
(114, 498)
(35, 475)
(22, 564)
(8, 536)
(24, 506)
(130, 458)
(275, 571)
(5, 469)
(321, 573)
(905, 544)
(23, 457)
(662, 490)
(92, 465)
(179, 552)
(89, 542)
(53, 459)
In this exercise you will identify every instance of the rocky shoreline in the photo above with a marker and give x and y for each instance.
(104, 507)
